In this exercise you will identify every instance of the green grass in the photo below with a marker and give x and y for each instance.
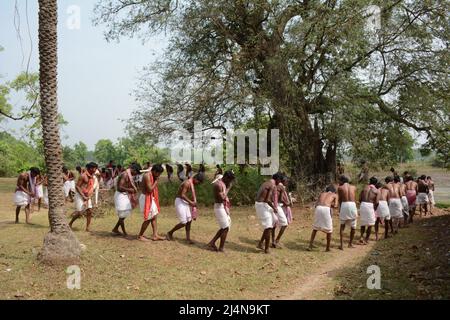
(442, 205)
(414, 265)
(116, 268)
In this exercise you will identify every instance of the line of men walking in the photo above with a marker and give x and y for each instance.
(391, 204)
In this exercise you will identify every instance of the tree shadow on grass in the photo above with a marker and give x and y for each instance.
(413, 265)
(36, 226)
(109, 234)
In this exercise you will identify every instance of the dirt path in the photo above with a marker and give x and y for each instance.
(321, 283)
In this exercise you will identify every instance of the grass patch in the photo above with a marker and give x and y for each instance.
(414, 265)
(442, 205)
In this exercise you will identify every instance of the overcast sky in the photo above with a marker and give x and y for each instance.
(95, 78)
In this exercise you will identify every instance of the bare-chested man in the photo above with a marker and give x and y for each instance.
(395, 203)
(25, 192)
(368, 199)
(69, 184)
(422, 196)
(430, 183)
(185, 207)
(125, 197)
(280, 203)
(39, 190)
(348, 213)
(266, 208)
(84, 192)
(411, 196)
(222, 209)
(382, 210)
(404, 203)
(149, 202)
(323, 215)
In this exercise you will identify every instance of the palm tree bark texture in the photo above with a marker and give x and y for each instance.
(60, 244)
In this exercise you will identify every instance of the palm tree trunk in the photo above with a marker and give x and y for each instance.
(60, 244)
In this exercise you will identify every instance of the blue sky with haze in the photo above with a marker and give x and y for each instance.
(95, 78)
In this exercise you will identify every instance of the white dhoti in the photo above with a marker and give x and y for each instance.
(422, 198)
(96, 189)
(322, 219)
(348, 214)
(183, 210)
(122, 204)
(383, 210)
(21, 199)
(46, 196)
(405, 206)
(222, 218)
(153, 208)
(265, 214)
(68, 187)
(39, 192)
(282, 219)
(431, 197)
(80, 204)
(396, 208)
(367, 214)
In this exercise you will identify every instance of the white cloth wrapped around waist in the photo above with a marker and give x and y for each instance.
(281, 216)
(367, 214)
(405, 205)
(222, 218)
(80, 204)
(39, 191)
(69, 186)
(431, 197)
(383, 210)
(153, 208)
(122, 201)
(348, 211)
(265, 214)
(396, 208)
(21, 198)
(183, 210)
(422, 198)
(322, 219)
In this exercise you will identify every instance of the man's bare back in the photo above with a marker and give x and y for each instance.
(422, 186)
(265, 192)
(23, 183)
(327, 199)
(347, 193)
(368, 194)
(411, 185)
(383, 194)
(394, 190)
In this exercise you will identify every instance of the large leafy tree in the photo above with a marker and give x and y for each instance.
(60, 244)
(310, 65)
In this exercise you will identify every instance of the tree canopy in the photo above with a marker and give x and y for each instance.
(314, 67)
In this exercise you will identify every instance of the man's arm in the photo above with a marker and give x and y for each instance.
(269, 198)
(183, 196)
(219, 191)
(20, 183)
(81, 180)
(121, 187)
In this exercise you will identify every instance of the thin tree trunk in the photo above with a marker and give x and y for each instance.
(60, 244)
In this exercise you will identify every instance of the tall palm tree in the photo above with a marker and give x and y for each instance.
(60, 244)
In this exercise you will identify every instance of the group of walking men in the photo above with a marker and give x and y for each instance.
(392, 204)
